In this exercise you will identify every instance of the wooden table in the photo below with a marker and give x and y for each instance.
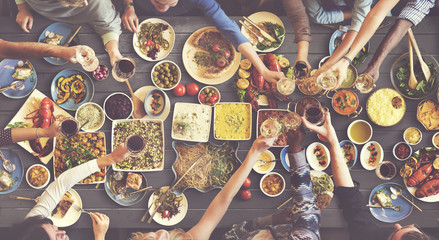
(129, 217)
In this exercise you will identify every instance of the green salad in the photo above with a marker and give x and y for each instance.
(423, 88)
(276, 31)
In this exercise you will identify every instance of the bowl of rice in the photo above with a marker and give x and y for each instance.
(93, 113)
(385, 107)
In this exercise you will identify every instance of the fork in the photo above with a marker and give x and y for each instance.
(79, 209)
(265, 162)
(262, 40)
(396, 208)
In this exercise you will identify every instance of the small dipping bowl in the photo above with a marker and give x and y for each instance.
(101, 73)
(90, 116)
(412, 136)
(402, 151)
(112, 113)
(282, 188)
(156, 79)
(40, 171)
(161, 100)
(359, 127)
(210, 88)
(435, 143)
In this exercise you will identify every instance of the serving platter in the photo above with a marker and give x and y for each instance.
(127, 201)
(141, 94)
(64, 29)
(158, 217)
(188, 54)
(72, 215)
(390, 215)
(191, 122)
(225, 118)
(168, 34)
(7, 69)
(70, 103)
(18, 174)
(30, 105)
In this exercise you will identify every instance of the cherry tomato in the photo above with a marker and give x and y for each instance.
(166, 214)
(192, 89)
(149, 42)
(226, 54)
(214, 98)
(221, 62)
(180, 90)
(216, 48)
(245, 194)
(202, 97)
(246, 183)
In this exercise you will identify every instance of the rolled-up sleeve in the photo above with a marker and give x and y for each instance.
(225, 25)
(297, 15)
(361, 9)
(415, 11)
(319, 15)
(107, 21)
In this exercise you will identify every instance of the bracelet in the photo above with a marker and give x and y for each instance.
(347, 59)
(127, 5)
(37, 134)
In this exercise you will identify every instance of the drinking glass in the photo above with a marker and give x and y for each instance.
(286, 86)
(135, 144)
(124, 69)
(301, 71)
(386, 170)
(270, 128)
(69, 127)
(364, 83)
(314, 113)
(327, 81)
(291, 121)
(87, 58)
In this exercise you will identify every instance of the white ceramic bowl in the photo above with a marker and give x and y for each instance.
(159, 63)
(48, 176)
(102, 116)
(405, 139)
(131, 101)
(270, 166)
(432, 139)
(211, 87)
(312, 159)
(394, 151)
(349, 130)
(268, 174)
(364, 155)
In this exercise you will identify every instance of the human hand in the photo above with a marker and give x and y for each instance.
(262, 143)
(327, 130)
(295, 138)
(69, 54)
(341, 68)
(272, 76)
(120, 153)
(100, 224)
(283, 217)
(130, 20)
(24, 18)
(112, 48)
(52, 131)
(302, 65)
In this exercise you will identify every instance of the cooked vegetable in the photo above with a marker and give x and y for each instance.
(276, 31)
(151, 40)
(321, 184)
(424, 87)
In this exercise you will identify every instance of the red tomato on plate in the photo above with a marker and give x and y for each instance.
(221, 62)
(192, 89)
(216, 48)
(226, 54)
(180, 90)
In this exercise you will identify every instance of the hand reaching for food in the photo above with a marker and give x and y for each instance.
(272, 76)
(130, 20)
(100, 225)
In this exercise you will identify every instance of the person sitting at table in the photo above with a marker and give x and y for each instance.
(360, 221)
(411, 15)
(303, 217)
(100, 14)
(228, 28)
(26, 50)
(12, 135)
(37, 226)
(334, 11)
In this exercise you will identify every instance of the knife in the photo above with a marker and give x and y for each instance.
(265, 34)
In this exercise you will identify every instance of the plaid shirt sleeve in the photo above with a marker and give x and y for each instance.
(415, 10)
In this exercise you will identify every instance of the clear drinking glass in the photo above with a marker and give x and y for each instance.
(69, 127)
(327, 81)
(124, 69)
(286, 86)
(364, 83)
(87, 58)
(291, 121)
(270, 128)
(386, 170)
(135, 144)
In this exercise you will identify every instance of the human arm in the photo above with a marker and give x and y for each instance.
(54, 192)
(129, 18)
(219, 205)
(25, 50)
(24, 17)
(22, 134)
(100, 225)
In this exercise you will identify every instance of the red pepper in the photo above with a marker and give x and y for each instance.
(149, 42)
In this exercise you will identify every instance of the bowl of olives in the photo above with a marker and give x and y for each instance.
(166, 75)
(209, 96)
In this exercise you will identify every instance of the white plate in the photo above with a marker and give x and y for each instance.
(364, 155)
(175, 219)
(168, 35)
(312, 160)
(190, 109)
(72, 215)
(263, 17)
(143, 91)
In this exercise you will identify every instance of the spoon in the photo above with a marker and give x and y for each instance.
(424, 66)
(398, 193)
(25, 198)
(138, 109)
(15, 85)
(7, 165)
(412, 79)
(265, 162)
(396, 208)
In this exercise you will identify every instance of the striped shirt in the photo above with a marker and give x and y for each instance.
(415, 10)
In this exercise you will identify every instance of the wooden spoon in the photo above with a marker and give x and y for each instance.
(424, 66)
(412, 79)
(138, 109)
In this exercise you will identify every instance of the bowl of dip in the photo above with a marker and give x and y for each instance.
(93, 113)
(262, 168)
(412, 135)
(402, 151)
(38, 176)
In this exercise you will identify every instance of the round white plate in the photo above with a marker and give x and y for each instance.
(364, 155)
(143, 91)
(312, 159)
(175, 219)
(72, 215)
(169, 35)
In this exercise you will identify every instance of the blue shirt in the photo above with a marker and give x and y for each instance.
(210, 8)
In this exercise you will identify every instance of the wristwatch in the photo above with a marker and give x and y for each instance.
(127, 5)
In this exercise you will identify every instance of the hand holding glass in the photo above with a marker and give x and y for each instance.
(87, 58)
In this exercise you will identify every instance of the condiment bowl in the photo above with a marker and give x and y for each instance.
(43, 185)
(364, 123)
(365, 154)
(105, 105)
(101, 73)
(86, 127)
(281, 189)
(268, 167)
(407, 139)
(395, 154)
(316, 152)
(432, 139)
(171, 63)
(149, 102)
(207, 102)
